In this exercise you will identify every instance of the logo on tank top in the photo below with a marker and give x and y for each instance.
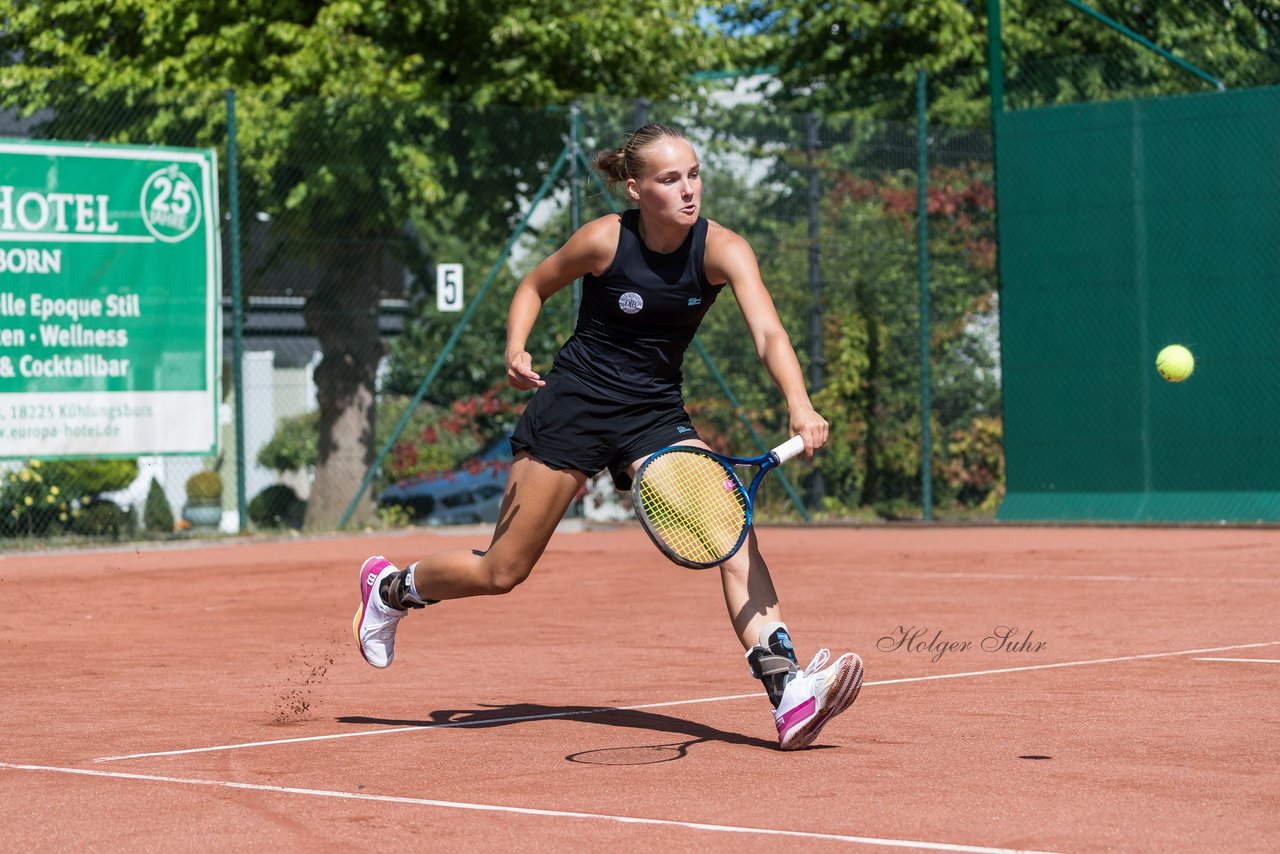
(630, 302)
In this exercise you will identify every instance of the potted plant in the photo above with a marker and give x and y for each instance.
(204, 499)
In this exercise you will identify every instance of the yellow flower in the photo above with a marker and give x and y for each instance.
(24, 476)
(48, 499)
(35, 464)
(53, 489)
(27, 500)
(62, 517)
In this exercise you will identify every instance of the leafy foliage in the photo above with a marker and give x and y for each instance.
(45, 497)
(382, 137)
(293, 446)
(469, 426)
(277, 506)
(204, 487)
(103, 518)
(90, 478)
(865, 289)
(434, 438)
(844, 55)
(30, 503)
(343, 140)
(975, 471)
(157, 515)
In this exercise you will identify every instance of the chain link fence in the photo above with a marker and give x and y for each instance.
(349, 367)
(1131, 176)
(1107, 51)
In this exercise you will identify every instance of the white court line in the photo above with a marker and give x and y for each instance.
(1075, 663)
(459, 805)
(1018, 576)
(1250, 660)
(444, 725)
(576, 712)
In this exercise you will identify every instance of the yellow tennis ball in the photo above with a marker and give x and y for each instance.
(1175, 363)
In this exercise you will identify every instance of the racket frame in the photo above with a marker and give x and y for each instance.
(767, 462)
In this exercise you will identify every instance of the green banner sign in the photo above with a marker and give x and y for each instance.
(109, 300)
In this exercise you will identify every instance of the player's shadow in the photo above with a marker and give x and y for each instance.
(518, 713)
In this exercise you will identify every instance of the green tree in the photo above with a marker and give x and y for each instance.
(873, 392)
(846, 55)
(157, 515)
(757, 170)
(340, 117)
(89, 478)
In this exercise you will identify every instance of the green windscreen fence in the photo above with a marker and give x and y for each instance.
(1126, 226)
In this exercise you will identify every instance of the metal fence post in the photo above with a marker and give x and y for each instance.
(237, 304)
(817, 484)
(575, 192)
(922, 254)
(552, 176)
(640, 117)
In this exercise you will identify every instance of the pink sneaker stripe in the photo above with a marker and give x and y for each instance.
(368, 577)
(846, 683)
(796, 714)
(371, 568)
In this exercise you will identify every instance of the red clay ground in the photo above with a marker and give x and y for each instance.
(211, 697)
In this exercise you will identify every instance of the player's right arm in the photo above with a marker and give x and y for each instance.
(589, 250)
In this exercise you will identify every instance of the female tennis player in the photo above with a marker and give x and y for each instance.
(613, 398)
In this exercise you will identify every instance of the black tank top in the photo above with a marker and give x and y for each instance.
(638, 318)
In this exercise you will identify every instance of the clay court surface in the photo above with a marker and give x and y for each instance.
(162, 698)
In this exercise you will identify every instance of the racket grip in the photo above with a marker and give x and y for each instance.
(789, 449)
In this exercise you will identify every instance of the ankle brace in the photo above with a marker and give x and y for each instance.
(395, 592)
(773, 661)
(775, 671)
(775, 638)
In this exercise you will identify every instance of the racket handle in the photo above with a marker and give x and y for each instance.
(789, 449)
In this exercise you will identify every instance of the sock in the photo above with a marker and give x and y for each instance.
(412, 588)
(397, 591)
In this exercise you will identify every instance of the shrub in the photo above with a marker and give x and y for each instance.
(157, 515)
(30, 504)
(434, 438)
(104, 519)
(975, 471)
(91, 477)
(277, 506)
(204, 487)
(293, 446)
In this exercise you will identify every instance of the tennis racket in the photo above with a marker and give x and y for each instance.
(693, 505)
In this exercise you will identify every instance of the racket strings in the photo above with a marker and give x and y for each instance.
(694, 505)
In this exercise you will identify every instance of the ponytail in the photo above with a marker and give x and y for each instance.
(616, 165)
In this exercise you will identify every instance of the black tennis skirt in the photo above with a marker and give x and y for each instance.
(571, 425)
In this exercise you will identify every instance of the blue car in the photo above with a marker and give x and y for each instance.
(470, 494)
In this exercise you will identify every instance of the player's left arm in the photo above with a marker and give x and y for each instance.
(729, 258)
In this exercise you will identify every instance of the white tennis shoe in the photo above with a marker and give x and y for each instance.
(816, 696)
(375, 622)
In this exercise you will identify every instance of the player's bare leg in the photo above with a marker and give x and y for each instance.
(535, 501)
(748, 592)
(803, 700)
